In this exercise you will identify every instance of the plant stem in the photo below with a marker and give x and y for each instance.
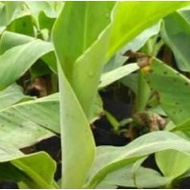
(143, 93)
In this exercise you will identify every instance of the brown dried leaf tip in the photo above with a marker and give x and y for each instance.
(143, 60)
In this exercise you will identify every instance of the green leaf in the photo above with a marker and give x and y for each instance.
(8, 152)
(42, 6)
(183, 126)
(173, 89)
(176, 33)
(77, 156)
(116, 74)
(44, 14)
(19, 59)
(87, 72)
(131, 81)
(11, 173)
(11, 39)
(18, 18)
(109, 158)
(167, 82)
(45, 22)
(22, 25)
(70, 45)
(81, 52)
(15, 10)
(172, 163)
(139, 41)
(26, 123)
(11, 95)
(113, 121)
(39, 167)
(75, 72)
(127, 26)
(185, 13)
(3, 17)
(116, 61)
(143, 178)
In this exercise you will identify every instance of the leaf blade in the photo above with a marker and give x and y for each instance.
(19, 59)
(111, 158)
(74, 125)
(151, 12)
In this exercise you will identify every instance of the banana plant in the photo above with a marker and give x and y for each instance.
(85, 36)
(81, 53)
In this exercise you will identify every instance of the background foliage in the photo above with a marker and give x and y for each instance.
(67, 54)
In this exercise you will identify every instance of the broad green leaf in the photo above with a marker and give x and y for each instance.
(176, 33)
(42, 6)
(185, 13)
(29, 122)
(40, 169)
(13, 10)
(116, 74)
(109, 158)
(185, 175)
(8, 152)
(19, 59)
(12, 39)
(22, 25)
(11, 95)
(139, 41)
(77, 156)
(172, 163)
(81, 52)
(143, 178)
(79, 71)
(127, 26)
(15, 17)
(172, 88)
(26, 123)
(18, 18)
(57, 5)
(45, 23)
(71, 45)
(87, 72)
(44, 14)
(106, 186)
(118, 60)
